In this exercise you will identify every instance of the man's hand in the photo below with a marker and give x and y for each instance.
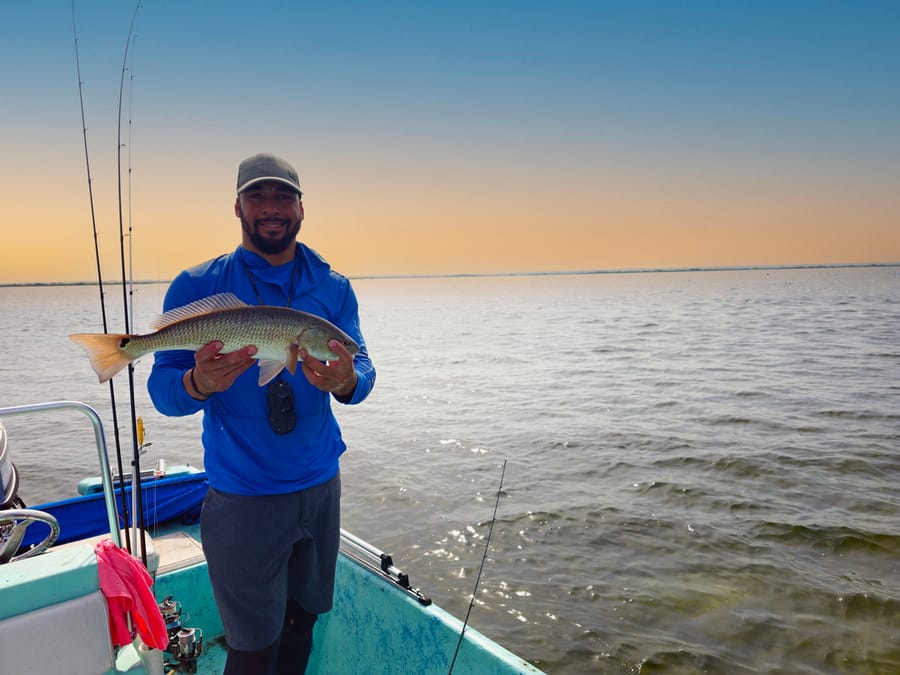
(213, 371)
(337, 377)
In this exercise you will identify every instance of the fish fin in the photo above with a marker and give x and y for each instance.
(268, 370)
(212, 303)
(293, 356)
(105, 351)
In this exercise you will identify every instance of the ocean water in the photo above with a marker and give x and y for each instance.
(702, 467)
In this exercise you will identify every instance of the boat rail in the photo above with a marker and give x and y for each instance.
(379, 562)
(102, 454)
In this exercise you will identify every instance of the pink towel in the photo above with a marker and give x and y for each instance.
(126, 585)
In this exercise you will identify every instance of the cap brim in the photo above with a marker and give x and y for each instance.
(262, 179)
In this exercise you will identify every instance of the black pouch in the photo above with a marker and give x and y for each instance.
(282, 416)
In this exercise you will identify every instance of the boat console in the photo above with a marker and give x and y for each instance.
(53, 614)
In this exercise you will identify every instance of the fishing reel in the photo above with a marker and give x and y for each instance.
(185, 644)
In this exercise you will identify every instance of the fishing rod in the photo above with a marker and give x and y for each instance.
(135, 455)
(135, 494)
(130, 192)
(90, 180)
(487, 544)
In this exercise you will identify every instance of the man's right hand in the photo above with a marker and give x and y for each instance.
(214, 371)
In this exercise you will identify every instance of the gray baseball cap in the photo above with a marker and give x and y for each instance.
(266, 167)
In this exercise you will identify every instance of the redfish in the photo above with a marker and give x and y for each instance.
(276, 332)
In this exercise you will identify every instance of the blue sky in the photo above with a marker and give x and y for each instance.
(469, 136)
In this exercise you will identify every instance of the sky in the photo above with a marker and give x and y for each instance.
(472, 136)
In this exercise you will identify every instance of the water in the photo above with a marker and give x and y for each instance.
(702, 467)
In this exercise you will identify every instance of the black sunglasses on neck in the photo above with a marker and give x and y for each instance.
(282, 416)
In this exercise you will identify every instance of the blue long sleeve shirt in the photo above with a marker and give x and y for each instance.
(242, 455)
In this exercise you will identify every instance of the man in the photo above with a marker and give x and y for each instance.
(270, 522)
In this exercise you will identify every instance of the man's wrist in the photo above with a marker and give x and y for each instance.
(194, 391)
(345, 393)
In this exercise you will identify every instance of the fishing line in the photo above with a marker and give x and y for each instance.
(90, 180)
(487, 544)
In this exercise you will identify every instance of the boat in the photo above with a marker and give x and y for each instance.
(54, 618)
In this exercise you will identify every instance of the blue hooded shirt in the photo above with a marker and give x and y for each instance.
(242, 455)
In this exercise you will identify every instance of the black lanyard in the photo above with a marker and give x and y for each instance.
(253, 281)
(279, 394)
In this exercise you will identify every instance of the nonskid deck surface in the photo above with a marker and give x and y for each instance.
(177, 550)
(389, 630)
(182, 574)
(212, 660)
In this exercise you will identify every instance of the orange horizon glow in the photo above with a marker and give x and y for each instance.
(427, 235)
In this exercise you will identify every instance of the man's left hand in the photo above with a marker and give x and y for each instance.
(337, 377)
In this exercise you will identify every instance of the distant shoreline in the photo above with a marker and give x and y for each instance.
(463, 275)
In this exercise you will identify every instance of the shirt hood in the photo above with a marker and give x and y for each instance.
(311, 271)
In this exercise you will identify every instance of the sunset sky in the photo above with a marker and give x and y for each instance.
(457, 137)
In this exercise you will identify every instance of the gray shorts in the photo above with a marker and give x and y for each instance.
(263, 549)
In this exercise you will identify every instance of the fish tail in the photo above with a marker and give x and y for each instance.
(105, 351)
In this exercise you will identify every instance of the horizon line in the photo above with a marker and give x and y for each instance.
(460, 275)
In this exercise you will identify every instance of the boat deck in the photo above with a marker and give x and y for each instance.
(378, 623)
(374, 625)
